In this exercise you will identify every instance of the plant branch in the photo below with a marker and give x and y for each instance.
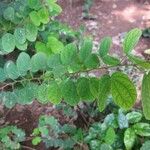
(74, 73)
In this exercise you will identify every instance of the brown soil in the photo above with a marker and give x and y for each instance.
(113, 17)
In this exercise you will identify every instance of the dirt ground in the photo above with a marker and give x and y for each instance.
(113, 18)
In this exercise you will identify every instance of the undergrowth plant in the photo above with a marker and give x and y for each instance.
(48, 64)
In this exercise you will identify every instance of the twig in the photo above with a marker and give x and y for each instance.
(27, 147)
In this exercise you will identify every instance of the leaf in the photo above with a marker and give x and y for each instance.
(36, 140)
(42, 94)
(86, 49)
(54, 8)
(20, 35)
(139, 61)
(54, 93)
(2, 75)
(142, 129)
(68, 54)
(31, 32)
(43, 15)
(134, 117)
(27, 94)
(54, 61)
(9, 13)
(92, 61)
(94, 86)
(129, 138)
(123, 90)
(22, 47)
(110, 136)
(145, 146)
(54, 45)
(8, 42)
(34, 4)
(11, 70)
(9, 99)
(38, 62)
(41, 47)
(105, 46)
(109, 60)
(83, 89)
(69, 92)
(122, 120)
(35, 18)
(146, 95)
(23, 63)
(59, 71)
(104, 91)
(131, 39)
(105, 147)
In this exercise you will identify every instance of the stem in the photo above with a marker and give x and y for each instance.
(75, 73)
(27, 147)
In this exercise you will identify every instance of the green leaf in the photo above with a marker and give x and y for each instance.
(27, 94)
(43, 15)
(9, 13)
(36, 140)
(104, 91)
(83, 89)
(9, 99)
(2, 75)
(23, 63)
(11, 70)
(122, 120)
(35, 18)
(54, 45)
(22, 47)
(134, 117)
(59, 71)
(109, 60)
(142, 129)
(54, 93)
(139, 61)
(94, 86)
(34, 4)
(31, 32)
(38, 62)
(42, 94)
(105, 46)
(69, 92)
(110, 136)
(129, 138)
(54, 61)
(41, 47)
(145, 146)
(123, 90)
(68, 54)
(146, 95)
(54, 8)
(131, 39)
(20, 35)
(8, 42)
(105, 147)
(92, 61)
(86, 49)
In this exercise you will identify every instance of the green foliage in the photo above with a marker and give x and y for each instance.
(145, 95)
(131, 40)
(123, 90)
(11, 136)
(57, 66)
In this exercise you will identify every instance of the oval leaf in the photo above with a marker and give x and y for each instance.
(123, 90)
(131, 39)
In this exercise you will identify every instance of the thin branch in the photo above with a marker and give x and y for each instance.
(73, 74)
(27, 147)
